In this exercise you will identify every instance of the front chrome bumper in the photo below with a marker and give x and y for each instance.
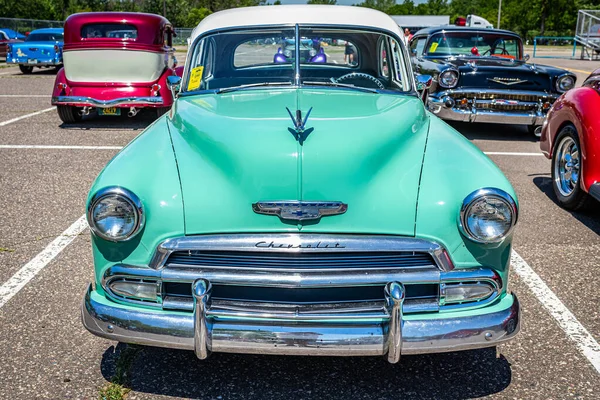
(210, 328)
(444, 106)
(80, 101)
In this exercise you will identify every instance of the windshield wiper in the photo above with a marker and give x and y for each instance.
(251, 85)
(344, 85)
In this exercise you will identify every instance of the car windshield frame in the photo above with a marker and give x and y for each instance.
(449, 34)
(400, 65)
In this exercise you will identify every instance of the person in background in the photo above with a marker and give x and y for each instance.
(407, 36)
(349, 54)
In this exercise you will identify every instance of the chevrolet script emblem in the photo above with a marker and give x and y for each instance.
(507, 81)
(300, 210)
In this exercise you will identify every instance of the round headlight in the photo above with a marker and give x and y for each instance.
(564, 83)
(448, 78)
(488, 215)
(115, 214)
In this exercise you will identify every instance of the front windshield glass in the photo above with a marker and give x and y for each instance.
(45, 37)
(350, 58)
(474, 44)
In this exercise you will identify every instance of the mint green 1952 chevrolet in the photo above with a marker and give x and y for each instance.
(301, 203)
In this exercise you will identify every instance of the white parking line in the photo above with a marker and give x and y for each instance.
(33, 267)
(57, 147)
(565, 318)
(10, 121)
(507, 153)
(25, 95)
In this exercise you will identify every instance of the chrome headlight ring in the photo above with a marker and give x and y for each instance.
(565, 82)
(127, 202)
(496, 203)
(448, 78)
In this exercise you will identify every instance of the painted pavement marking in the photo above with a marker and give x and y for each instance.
(508, 153)
(58, 147)
(578, 70)
(584, 341)
(10, 121)
(33, 267)
(25, 95)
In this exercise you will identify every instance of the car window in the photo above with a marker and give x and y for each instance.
(477, 44)
(417, 46)
(112, 31)
(45, 37)
(269, 56)
(3, 36)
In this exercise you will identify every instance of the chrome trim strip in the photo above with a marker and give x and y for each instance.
(497, 91)
(455, 332)
(335, 277)
(299, 243)
(89, 101)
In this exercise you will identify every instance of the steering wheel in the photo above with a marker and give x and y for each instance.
(359, 75)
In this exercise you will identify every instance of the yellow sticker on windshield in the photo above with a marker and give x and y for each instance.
(433, 47)
(195, 78)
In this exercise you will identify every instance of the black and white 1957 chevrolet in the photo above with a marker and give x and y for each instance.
(481, 75)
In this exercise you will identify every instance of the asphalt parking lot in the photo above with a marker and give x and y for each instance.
(46, 169)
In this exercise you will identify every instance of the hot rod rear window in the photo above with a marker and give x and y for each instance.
(111, 31)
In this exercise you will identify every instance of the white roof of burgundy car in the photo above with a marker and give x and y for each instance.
(297, 14)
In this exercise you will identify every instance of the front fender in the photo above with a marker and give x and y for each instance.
(148, 168)
(60, 78)
(448, 176)
(578, 107)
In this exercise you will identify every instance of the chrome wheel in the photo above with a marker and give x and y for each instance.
(566, 167)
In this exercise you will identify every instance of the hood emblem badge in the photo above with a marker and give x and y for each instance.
(298, 131)
(300, 210)
(507, 81)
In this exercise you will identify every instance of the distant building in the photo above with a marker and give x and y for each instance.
(416, 22)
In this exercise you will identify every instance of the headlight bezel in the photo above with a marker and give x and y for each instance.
(562, 77)
(124, 194)
(448, 71)
(478, 195)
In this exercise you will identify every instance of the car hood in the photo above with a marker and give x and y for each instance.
(504, 74)
(363, 149)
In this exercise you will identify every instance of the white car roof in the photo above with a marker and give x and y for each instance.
(297, 14)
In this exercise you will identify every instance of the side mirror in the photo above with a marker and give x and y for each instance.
(526, 57)
(424, 82)
(174, 84)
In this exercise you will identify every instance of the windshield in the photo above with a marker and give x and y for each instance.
(45, 37)
(350, 58)
(478, 44)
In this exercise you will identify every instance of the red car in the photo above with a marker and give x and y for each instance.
(114, 62)
(571, 138)
(4, 42)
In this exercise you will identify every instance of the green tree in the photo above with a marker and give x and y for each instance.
(328, 2)
(196, 15)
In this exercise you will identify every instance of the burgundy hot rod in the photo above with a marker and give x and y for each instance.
(114, 62)
(571, 138)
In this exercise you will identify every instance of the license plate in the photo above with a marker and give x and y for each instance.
(32, 61)
(109, 111)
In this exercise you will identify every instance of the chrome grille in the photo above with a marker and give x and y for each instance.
(526, 97)
(300, 260)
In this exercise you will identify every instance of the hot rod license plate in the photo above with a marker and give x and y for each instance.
(109, 111)
(32, 61)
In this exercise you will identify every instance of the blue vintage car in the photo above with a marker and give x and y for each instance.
(42, 48)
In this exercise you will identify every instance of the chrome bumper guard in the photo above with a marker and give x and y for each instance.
(90, 102)
(219, 326)
(444, 106)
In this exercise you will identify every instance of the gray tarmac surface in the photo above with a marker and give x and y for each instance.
(46, 353)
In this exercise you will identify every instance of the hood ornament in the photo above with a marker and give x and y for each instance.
(300, 210)
(507, 81)
(299, 132)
